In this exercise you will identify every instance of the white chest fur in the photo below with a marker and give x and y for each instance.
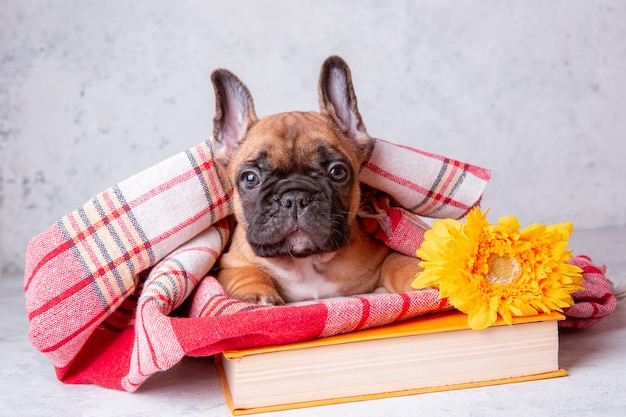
(300, 282)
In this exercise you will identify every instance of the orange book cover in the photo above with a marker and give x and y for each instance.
(424, 325)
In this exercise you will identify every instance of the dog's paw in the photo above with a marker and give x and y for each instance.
(263, 299)
(399, 272)
(250, 285)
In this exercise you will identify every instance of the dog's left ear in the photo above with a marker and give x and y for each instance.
(234, 113)
(338, 100)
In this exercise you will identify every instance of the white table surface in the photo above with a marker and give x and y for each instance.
(595, 359)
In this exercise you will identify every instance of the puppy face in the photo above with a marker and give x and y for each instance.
(296, 180)
(295, 174)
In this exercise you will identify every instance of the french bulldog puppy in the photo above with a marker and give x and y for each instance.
(296, 196)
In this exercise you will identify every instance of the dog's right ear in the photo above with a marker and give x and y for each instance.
(338, 101)
(234, 113)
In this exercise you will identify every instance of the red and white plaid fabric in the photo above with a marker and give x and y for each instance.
(121, 288)
(592, 303)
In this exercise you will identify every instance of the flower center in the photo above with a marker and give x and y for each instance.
(503, 270)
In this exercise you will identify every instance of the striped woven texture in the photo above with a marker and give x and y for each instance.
(595, 301)
(120, 288)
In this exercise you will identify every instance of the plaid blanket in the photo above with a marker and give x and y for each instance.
(120, 288)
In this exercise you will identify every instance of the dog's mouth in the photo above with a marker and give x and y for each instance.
(298, 243)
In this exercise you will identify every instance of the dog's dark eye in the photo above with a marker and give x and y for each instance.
(249, 179)
(338, 172)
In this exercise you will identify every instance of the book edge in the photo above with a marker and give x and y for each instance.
(247, 411)
(221, 374)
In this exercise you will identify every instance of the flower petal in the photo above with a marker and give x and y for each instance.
(532, 232)
(511, 222)
(480, 318)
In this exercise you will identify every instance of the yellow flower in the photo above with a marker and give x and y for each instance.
(488, 269)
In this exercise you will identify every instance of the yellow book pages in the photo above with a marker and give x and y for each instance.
(432, 323)
(424, 326)
(247, 411)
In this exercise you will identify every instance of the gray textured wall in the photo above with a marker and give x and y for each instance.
(94, 91)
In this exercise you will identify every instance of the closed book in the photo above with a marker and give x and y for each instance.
(429, 353)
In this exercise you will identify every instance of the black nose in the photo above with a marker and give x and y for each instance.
(295, 200)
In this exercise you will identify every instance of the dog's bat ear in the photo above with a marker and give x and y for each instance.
(338, 100)
(234, 113)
